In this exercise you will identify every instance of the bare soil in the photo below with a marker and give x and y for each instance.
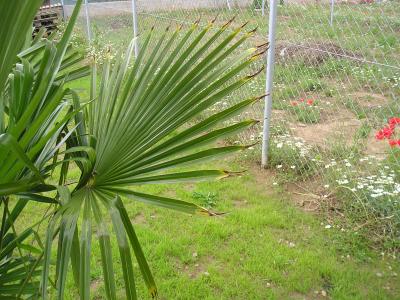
(139, 219)
(312, 54)
(369, 100)
(337, 124)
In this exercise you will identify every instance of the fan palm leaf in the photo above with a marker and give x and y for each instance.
(35, 106)
(35, 109)
(142, 130)
(19, 268)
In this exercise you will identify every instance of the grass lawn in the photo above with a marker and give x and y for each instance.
(263, 248)
(351, 69)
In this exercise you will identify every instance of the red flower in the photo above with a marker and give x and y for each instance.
(393, 143)
(385, 132)
(301, 100)
(294, 103)
(394, 121)
(379, 135)
(388, 131)
(310, 102)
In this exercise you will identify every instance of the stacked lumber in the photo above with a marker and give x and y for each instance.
(48, 17)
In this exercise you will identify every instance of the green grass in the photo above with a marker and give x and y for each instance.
(305, 113)
(367, 32)
(263, 248)
(355, 108)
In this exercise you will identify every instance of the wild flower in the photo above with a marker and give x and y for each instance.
(389, 132)
(292, 142)
(306, 110)
(375, 186)
(292, 156)
(394, 143)
(302, 101)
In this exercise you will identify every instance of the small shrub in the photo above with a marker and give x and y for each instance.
(311, 85)
(337, 150)
(306, 111)
(369, 191)
(207, 200)
(362, 132)
(293, 156)
(330, 92)
(257, 4)
(355, 108)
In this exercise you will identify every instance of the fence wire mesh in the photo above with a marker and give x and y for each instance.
(336, 110)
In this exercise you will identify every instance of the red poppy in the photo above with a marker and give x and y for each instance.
(394, 121)
(388, 131)
(393, 143)
(294, 103)
(385, 132)
(310, 102)
(379, 135)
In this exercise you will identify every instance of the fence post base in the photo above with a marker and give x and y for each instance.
(269, 81)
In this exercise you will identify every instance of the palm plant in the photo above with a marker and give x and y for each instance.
(138, 127)
(34, 110)
(19, 269)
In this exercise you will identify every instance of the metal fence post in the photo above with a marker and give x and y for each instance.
(269, 80)
(89, 32)
(135, 27)
(63, 12)
(228, 3)
(332, 11)
(263, 7)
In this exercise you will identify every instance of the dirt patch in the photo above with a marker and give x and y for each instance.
(139, 219)
(369, 100)
(240, 203)
(376, 147)
(121, 22)
(279, 115)
(321, 134)
(338, 131)
(95, 284)
(337, 125)
(197, 268)
(171, 193)
(263, 177)
(308, 194)
(312, 54)
(316, 295)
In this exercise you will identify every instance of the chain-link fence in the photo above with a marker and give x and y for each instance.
(335, 102)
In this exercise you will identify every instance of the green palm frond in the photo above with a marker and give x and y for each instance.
(20, 261)
(142, 128)
(35, 107)
(35, 110)
(15, 20)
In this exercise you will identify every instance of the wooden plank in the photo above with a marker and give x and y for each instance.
(48, 17)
